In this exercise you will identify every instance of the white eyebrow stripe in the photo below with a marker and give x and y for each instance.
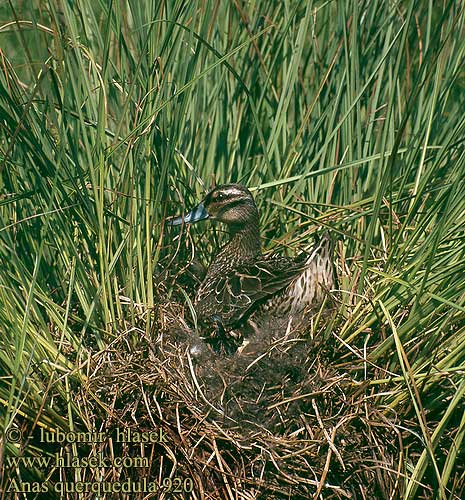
(233, 191)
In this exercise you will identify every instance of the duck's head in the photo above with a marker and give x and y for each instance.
(232, 204)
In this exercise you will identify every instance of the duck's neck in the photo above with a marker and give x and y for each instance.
(243, 246)
(244, 241)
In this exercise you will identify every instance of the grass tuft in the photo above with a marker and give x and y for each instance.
(340, 116)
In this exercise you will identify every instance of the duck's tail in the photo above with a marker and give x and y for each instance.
(318, 276)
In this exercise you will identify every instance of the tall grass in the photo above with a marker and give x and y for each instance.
(347, 115)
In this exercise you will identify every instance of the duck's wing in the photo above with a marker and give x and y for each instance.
(231, 296)
(268, 276)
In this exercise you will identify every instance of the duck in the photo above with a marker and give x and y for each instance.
(241, 282)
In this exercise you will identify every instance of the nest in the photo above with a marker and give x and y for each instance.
(280, 419)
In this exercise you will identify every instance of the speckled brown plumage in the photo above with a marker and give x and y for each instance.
(241, 281)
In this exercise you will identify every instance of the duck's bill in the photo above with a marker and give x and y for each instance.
(197, 213)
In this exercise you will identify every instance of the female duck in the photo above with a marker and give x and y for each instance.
(240, 281)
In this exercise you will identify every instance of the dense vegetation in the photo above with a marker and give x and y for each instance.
(347, 116)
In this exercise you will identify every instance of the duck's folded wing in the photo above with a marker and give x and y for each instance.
(235, 293)
(241, 290)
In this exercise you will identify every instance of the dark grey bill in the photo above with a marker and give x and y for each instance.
(197, 213)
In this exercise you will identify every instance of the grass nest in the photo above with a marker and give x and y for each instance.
(283, 418)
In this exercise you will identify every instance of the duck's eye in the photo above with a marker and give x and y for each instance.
(219, 196)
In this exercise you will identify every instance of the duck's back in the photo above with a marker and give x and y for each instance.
(309, 287)
(275, 282)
